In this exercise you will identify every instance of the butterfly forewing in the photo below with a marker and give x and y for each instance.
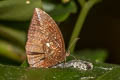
(45, 44)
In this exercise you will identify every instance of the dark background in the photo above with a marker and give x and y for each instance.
(100, 30)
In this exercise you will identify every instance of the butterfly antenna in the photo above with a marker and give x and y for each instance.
(68, 51)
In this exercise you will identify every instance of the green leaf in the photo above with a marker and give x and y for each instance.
(17, 10)
(60, 12)
(13, 35)
(25, 64)
(21, 73)
(11, 51)
(98, 55)
(111, 75)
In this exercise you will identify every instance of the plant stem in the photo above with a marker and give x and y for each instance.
(82, 2)
(81, 18)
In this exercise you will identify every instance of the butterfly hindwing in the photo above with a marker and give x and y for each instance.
(45, 44)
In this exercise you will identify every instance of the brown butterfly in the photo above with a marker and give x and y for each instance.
(45, 45)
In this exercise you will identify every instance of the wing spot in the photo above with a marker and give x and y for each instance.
(48, 44)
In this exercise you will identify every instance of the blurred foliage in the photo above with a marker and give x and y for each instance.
(63, 11)
(14, 22)
(86, 7)
(99, 72)
(15, 17)
(98, 55)
(18, 10)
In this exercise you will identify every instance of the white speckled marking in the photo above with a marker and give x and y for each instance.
(48, 44)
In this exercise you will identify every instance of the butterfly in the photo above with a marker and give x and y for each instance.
(45, 44)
